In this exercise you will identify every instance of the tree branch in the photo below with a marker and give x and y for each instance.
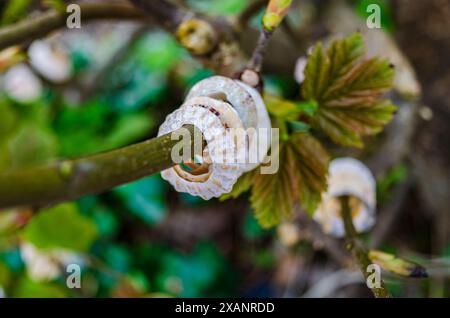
(358, 251)
(51, 20)
(212, 41)
(256, 60)
(71, 179)
(274, 15)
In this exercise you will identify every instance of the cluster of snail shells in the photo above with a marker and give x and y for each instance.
(347, 177)
(216, 106)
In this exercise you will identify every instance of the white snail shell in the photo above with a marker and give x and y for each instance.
(235, 94)
(216, 105)
(219, 177)
(248, 104)
(51, 60)
(21, 84)
(348, 176)
(300, 66)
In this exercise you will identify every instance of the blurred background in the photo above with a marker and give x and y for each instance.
(111, 84)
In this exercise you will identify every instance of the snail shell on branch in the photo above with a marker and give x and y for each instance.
(51, 60)
(300, 66)
(216, 106)
(348, 176)
(247, 102)
(208, 178)
(22, 85)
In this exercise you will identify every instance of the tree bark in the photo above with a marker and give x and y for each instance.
(70, 179)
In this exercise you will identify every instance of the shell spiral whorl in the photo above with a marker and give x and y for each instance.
(348, 176)
(217, 106)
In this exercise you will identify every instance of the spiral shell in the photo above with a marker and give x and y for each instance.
(219, 176)
(216, 106)
(248, 104)
(348, 176)
(300, 66)
(51, 60)
(22, 85)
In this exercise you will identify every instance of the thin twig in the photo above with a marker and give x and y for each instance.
(252, 73)
(358, 251)
(257, 58)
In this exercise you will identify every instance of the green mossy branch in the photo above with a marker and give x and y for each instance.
(70, 179)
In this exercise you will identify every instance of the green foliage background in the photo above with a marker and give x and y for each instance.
(118, 234)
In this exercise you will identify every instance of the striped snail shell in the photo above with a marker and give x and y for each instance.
(299, 71)
(50, 59)
(211, 176)
(216, 106)
(22, 85)
(348, 176)
(249, 105)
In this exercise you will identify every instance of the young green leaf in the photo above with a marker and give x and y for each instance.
(348, 89)
(289, 110)
(298, 126)
(312, 162)
(397, 265)
(276, 11)
(27, 288)
(58, 5)
(274, 195)
(14, 10)
(300, 179)
(242, 185)
(61, 227)
(32, 144)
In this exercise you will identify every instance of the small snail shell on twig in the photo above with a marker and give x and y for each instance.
(51, 60)
(216, 106)
(204, 179)
(299, 72)
(348, 176)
